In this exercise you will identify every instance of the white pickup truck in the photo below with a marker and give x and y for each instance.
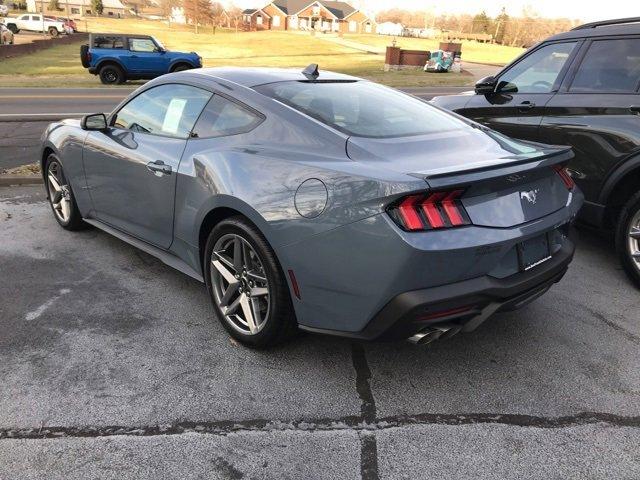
(33, 22)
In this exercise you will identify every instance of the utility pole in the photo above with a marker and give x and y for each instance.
(44, 34)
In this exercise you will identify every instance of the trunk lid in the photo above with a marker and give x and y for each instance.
(506, 182)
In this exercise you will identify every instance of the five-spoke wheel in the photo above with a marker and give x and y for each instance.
(240, 285)
(247, 286)
(60, 195)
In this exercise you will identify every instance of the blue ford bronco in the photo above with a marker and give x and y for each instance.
(117, 58)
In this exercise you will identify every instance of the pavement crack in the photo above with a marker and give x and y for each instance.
(368, 413)
(350, 423)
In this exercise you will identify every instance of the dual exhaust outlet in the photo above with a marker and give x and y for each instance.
(436, 332)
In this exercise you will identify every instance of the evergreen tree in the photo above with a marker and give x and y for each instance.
(97, 6)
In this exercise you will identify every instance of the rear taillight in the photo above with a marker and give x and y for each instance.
(88, 56)
(564, 175)
(430, 211)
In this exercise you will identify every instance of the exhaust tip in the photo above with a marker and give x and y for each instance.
(431, 334)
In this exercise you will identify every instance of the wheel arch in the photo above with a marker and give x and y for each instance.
(222, 207)
(108, 61)
(619, 186)
(176, 63)
(46, 151)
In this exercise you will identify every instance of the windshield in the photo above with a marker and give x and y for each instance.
(159, 43)
(361, 108)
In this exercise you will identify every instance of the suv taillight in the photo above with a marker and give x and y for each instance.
(430, 211)
(564, 175)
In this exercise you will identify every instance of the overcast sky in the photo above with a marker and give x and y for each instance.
(588, 10)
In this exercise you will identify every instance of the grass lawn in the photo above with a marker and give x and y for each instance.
(60, 65)
(471, 51)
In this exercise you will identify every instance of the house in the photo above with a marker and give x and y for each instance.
(324, 15)
(69, 8)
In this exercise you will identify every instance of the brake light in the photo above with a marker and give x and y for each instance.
(564, 175)
(430, 211)
(89, 56)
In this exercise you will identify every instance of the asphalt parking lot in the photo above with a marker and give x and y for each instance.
(113, 366)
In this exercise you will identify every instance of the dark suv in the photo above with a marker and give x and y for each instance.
(579, 88)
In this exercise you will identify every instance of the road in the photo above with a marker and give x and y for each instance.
(113, 366)
(25, 112)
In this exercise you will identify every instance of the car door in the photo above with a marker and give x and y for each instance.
(516, 105)
(145, 58)
(131, 167)
(597, 110)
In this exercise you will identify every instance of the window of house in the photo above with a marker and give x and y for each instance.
(88, 12)
(537, 72)
(222, 117)
(75, 11)
(609, 66)
(315, 10)
(110, 14)
(167, 110)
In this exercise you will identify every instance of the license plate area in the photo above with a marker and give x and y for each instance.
(533, 252)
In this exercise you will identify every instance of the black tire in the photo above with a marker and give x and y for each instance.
(14, 29)
(74, 220)
(112, 74)
(53, 31)
(280, 324)
(629, 218)
(181, 67)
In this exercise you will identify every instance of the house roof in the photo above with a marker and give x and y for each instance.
(249, 11)
(114, 4)
(340, 9)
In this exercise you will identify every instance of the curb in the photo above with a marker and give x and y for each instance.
(11, 180)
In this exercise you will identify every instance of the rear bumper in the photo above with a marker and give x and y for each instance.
(93, 70)
(467, 303)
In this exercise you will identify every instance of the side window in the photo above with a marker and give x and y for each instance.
(537, 72)
(108, 41)
(142, 45)
(168, 110)
(223, 117)
(609, 66)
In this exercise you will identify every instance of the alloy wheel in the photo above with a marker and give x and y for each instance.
(633, 239)
(240, 285)
(59, 192)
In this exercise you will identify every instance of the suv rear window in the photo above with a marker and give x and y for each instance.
(108, 41)
(609, 66)
(362, 108)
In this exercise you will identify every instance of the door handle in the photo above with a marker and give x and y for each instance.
(526, 105)
(159, 168)
(634, 108)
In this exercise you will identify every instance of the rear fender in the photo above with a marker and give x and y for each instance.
(626, 167)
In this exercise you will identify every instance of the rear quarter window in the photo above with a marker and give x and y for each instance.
(108, 41)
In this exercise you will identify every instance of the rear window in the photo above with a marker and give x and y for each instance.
(108, 41)
(361, 108)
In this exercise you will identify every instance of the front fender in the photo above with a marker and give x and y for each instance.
(619, 172)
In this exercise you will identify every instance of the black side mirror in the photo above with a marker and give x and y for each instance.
(485, 85)
(95, 121)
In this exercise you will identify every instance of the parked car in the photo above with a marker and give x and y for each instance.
(34, 22)
(580, 88)
(69, 24)
(6, 35)
(117, 58)
(338, 206)
(4, 10)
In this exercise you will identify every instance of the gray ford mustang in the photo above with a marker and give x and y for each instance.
(319, 201)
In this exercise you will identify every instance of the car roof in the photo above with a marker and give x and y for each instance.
(254, 76)
(599, 31)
